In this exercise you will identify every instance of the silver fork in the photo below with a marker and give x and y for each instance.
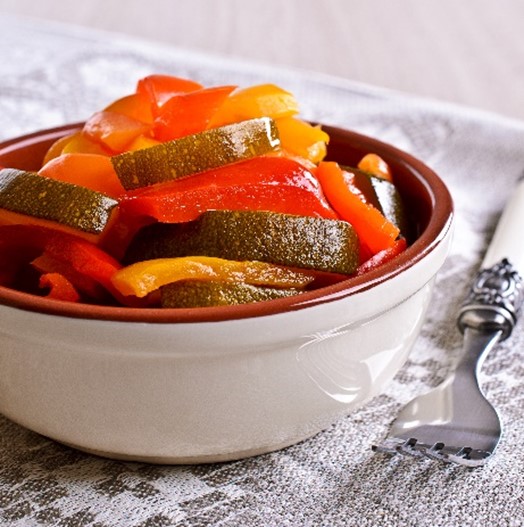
(454, 422)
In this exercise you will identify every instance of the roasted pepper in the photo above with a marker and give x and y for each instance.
(261, 100)
(267, 183)
(48, 263)
(375, 165)
(82, 143)
(383, 256)
(144, 277)
(302, 139)
(113, 130)
(86, 259)
(59, 287)
(158, 89)
(188, 113)
(375, 232)
(136, 106)
(92, 171)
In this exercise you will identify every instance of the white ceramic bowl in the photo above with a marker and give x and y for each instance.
(215, 384)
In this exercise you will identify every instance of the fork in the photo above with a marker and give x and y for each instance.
(454, 422)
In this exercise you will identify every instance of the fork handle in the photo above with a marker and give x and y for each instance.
(507, 240)
(497, 294)
(494, 301)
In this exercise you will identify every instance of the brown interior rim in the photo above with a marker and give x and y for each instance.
(438, 225)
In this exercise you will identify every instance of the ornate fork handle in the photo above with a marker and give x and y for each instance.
(494, 300)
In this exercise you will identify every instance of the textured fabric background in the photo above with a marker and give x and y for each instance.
(50, 75)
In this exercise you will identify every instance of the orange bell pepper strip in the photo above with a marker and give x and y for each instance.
(141, 142)
(92, 171)
(60, 288)
(81, 143)
(141, 278)
(74, 142)
(373, 229)
(114, 130)
(137, 106)
(270, 183)
(375, 165)
(188, 113)
(160, 88)
(57, 147)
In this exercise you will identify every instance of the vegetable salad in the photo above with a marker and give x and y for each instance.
(181, 195)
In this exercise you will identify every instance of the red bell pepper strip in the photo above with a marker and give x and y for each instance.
(60, 288)
(269, 183)
(188, 113)
(160, 88)
(86, 285)
(382, 257)
(85, 258)
(373, 229)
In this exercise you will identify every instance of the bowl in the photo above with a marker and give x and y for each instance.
(222, 383)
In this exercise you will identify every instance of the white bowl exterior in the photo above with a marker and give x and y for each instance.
(209, 391)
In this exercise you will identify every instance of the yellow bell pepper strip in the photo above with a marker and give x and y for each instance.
(188, 113)
(142, 278)
(302, 139)
(266, 183)
(375, 165)
(263, 100)
(375, 232)
(196, 153)
(60, 288)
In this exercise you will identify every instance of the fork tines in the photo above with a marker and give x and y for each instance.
(466, 456)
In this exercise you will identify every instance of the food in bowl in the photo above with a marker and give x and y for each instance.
(178, 195)
(222, 382)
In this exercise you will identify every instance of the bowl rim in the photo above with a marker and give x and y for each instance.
(438, 226)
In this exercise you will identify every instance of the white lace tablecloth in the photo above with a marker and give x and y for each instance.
(51, 75)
